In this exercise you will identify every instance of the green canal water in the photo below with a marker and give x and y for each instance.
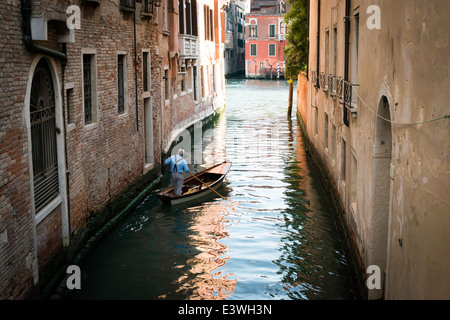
(272, 238)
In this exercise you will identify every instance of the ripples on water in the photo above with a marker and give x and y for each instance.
(272, 238)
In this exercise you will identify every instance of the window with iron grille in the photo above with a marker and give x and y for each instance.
(43, 137)
(146, 71)
(166, 84)
(69, 105)
(88, 88)
(121, 83)
(194, 71)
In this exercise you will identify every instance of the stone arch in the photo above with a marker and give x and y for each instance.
(382, 193)
(61, 199)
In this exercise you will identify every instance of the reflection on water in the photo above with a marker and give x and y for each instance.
(272, 238)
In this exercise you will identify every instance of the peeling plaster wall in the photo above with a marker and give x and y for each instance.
(407, 62)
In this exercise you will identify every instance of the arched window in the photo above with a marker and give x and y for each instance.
(43, 136)
(253, 31)
(282, 6)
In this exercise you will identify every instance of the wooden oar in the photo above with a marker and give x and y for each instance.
(208, 186)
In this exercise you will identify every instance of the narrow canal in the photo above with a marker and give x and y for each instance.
(273, 237)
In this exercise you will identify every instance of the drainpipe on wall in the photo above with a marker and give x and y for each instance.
(347, 54)
(63, 68)
(26, 21)
(135, 70)
(307, 35)
(318, 44)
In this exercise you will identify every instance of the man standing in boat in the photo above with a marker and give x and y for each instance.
(177, 166)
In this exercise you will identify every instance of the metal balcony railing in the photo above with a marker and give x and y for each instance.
(347, 94)
(332, 85)
(322, 81)
(340, 87)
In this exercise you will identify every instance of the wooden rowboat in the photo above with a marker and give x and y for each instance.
(197, 186)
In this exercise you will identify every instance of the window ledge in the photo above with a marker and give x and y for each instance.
(146, 94)
(44, 212)
(123, 115)
(91, 126)
(70, 127)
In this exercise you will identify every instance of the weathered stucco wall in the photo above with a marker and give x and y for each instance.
(392, 175)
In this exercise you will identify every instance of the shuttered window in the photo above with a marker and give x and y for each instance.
(253, 49)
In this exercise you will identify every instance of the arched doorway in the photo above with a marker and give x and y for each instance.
(43, 136)
(382, 157)
(45, 125)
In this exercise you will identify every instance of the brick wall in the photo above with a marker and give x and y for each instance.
(104, 161)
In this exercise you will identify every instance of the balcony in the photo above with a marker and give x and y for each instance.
(350, 102)
(332, 85)
(340, 87)
(187, 46)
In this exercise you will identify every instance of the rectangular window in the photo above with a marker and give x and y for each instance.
(166, 84)
(353, 182)
(146, 71)
(262, 65)
(334, 50)
(89, 88)
(325, 139)
(253, 28)
(181, 7)
(194, 71)
(164, 5)
(69, 105)
(333, 140)
(316, 120)
(202, 81)
(271, 31)
(271, 50)
(182, 78)
(211, 25)
(121, 83)
(327, 52)
(206, 21)
(343, 160)
(214, 77)
(253, 49)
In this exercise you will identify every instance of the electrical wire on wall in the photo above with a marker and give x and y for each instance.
(399, 123)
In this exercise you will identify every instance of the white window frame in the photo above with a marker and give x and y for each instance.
(274, 31)
(274, 49)
(125, 82)
(256, 50)
(94, 95)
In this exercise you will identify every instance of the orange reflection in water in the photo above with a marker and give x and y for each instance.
(208, 227)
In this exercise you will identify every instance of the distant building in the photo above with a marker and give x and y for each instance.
(373, 105)
(265, 39)
(234, 56)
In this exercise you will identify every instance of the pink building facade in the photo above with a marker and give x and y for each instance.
(265, 39)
